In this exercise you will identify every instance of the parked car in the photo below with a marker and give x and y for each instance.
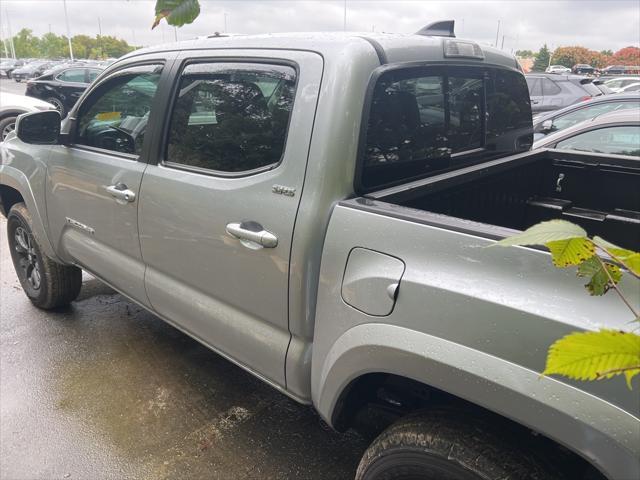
(368, 293)
(62, 88)
(633, 87)
(583, 69)
(557, 120)
(552, 91)
(557, 69)
(613, 133)
(12, 105)
(9, 66)
(613, 70)
(616, 84)
(30, 70)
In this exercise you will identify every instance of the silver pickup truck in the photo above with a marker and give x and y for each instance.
(315, 208)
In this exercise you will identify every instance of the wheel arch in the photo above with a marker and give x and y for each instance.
(14, 188)
(596, 430)
(11, 113)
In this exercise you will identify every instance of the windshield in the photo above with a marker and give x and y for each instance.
(429, 120)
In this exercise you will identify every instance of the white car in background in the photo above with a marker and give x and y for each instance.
(12, 105)
(632, 87)
(557, 69)
(617, 84)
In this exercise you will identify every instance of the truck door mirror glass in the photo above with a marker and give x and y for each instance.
(547, 126)
(40, 128)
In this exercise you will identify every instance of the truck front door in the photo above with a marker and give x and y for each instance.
(93, 184)
(217, 211)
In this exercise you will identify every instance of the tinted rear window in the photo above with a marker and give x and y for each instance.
(428, 120)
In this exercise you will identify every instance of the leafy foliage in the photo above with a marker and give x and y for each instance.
(569, 56)
(588, 355)
(595, 355)
(628, 258)
(600, 280)
(544, 232)
(542, 59)
(51, 45)
(176, 12)
(571, 251)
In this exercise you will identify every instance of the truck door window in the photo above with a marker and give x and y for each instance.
(114, 117)
(612, 140)
(230, 117)
(431, 119)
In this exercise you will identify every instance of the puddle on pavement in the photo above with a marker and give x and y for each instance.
(180, 411)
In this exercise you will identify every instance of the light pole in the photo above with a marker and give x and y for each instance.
(66, 19)
(344, 19)
(497, 32)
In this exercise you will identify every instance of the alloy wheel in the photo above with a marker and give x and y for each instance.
(7, 130)
(29, 266)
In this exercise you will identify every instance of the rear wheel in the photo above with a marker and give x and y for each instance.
(446, 445)
(56, 102)
(48, 284)
(7, 125)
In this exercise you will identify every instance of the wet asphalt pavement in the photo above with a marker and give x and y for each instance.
(104, 389)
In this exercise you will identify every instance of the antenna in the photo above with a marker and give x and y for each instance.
(443, 28)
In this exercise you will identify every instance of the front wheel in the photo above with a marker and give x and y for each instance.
(7, 125)
(444, 445)
(48, 284)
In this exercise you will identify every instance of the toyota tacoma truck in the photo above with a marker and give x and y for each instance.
(315, 208)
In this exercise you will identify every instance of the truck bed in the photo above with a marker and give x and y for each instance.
(599, 193)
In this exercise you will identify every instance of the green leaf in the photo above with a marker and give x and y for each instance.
(629, 258)
(595, 355)
(542, 233)
(572, 251)
(176, 12)
(599, 282)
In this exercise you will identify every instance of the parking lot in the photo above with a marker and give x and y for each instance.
(104, 389)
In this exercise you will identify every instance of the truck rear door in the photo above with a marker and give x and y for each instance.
(219, 202)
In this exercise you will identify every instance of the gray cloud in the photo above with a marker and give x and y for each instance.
(596, 24)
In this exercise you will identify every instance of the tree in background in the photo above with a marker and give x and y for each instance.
(627, 56)
(524, 53)
(570, 56)
(26, 44)
(606, 53)
(51, 45)
(542, 59)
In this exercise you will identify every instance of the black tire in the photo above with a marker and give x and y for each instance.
(46, 283)
(446, 445)
(56, 102)
(7, 125)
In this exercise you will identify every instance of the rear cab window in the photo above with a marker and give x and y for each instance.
(428, 120)
(230, 118)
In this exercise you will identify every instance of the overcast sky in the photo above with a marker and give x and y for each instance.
(596, 24)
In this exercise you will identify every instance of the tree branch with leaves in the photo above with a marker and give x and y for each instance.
(589, 355)
(176, 12)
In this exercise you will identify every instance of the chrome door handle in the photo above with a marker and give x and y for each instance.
(121, 192)
(252, 233)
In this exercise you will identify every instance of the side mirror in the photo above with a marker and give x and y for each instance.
(547, 125)
(39, 128)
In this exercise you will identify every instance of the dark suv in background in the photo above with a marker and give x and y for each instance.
(550, 91)
(62, 88)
